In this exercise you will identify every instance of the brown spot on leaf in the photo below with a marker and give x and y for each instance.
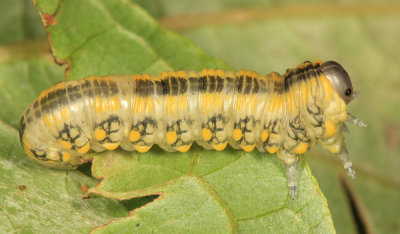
(85, 197)
(392, 136)
(84, 188)
(48, 20)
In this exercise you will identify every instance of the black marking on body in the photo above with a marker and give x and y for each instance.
(113, 87)
(183, 85)
(216, 124)
(65, 134)
(211, 84)
(159, 87)
(106, 125)
(74, 93)
(165, 86)
(143, 127)
(104, 88)
(202, 84)
(220, 84)
(174, 86)
(239, 83)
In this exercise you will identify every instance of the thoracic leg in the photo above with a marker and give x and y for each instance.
(344, 157)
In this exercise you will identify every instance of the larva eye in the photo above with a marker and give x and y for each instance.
(348, 92)
(339, 79)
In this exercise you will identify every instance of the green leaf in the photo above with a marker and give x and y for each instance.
(136, 43)
(207, 191)
(199, 190)
(19, 21)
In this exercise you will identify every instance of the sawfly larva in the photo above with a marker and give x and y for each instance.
(283, 114)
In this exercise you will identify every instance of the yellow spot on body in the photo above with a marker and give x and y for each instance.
(146, 77)
(65, 112)
(327, 87)
(220, 147)
(136, 77)
(254, 103)
(111, 146)
(66, 156)
(164, 75)
(272, 149)
(218, 101)
(65, 144)
(105, 105)
(172, 105)
(183, 102)
(181, 74)
(171, 137)
(237, 134)
(203, 72)
(276, 103)
(304, 92)
(206, 133)
(172, 74)
(192, 74)
(248, 148)
(239, 102)
(134, 136)
(48, 120)
(57, 118)
(150, 104)
(84, 149)
(334, 149)
(330, 129)
(60, 85)
(115, 105)
(301, 148)
(264, 135)
(100, 134)
(220, 73)
(29, 153)
(276, 77)
(25, 142)
(142, 149)
(98, 104)
(184, 148)
(289, 102)
(43, 94)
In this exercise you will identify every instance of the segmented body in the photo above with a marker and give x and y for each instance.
(278, 114)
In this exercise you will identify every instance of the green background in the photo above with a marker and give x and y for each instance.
(263, 36)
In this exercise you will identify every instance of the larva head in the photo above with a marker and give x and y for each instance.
(339, 79)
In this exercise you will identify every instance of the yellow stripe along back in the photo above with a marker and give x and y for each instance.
(278, 114)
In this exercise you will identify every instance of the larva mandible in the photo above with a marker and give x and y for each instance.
(278, 114)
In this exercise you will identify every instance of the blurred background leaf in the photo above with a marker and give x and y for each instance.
(270, 36)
